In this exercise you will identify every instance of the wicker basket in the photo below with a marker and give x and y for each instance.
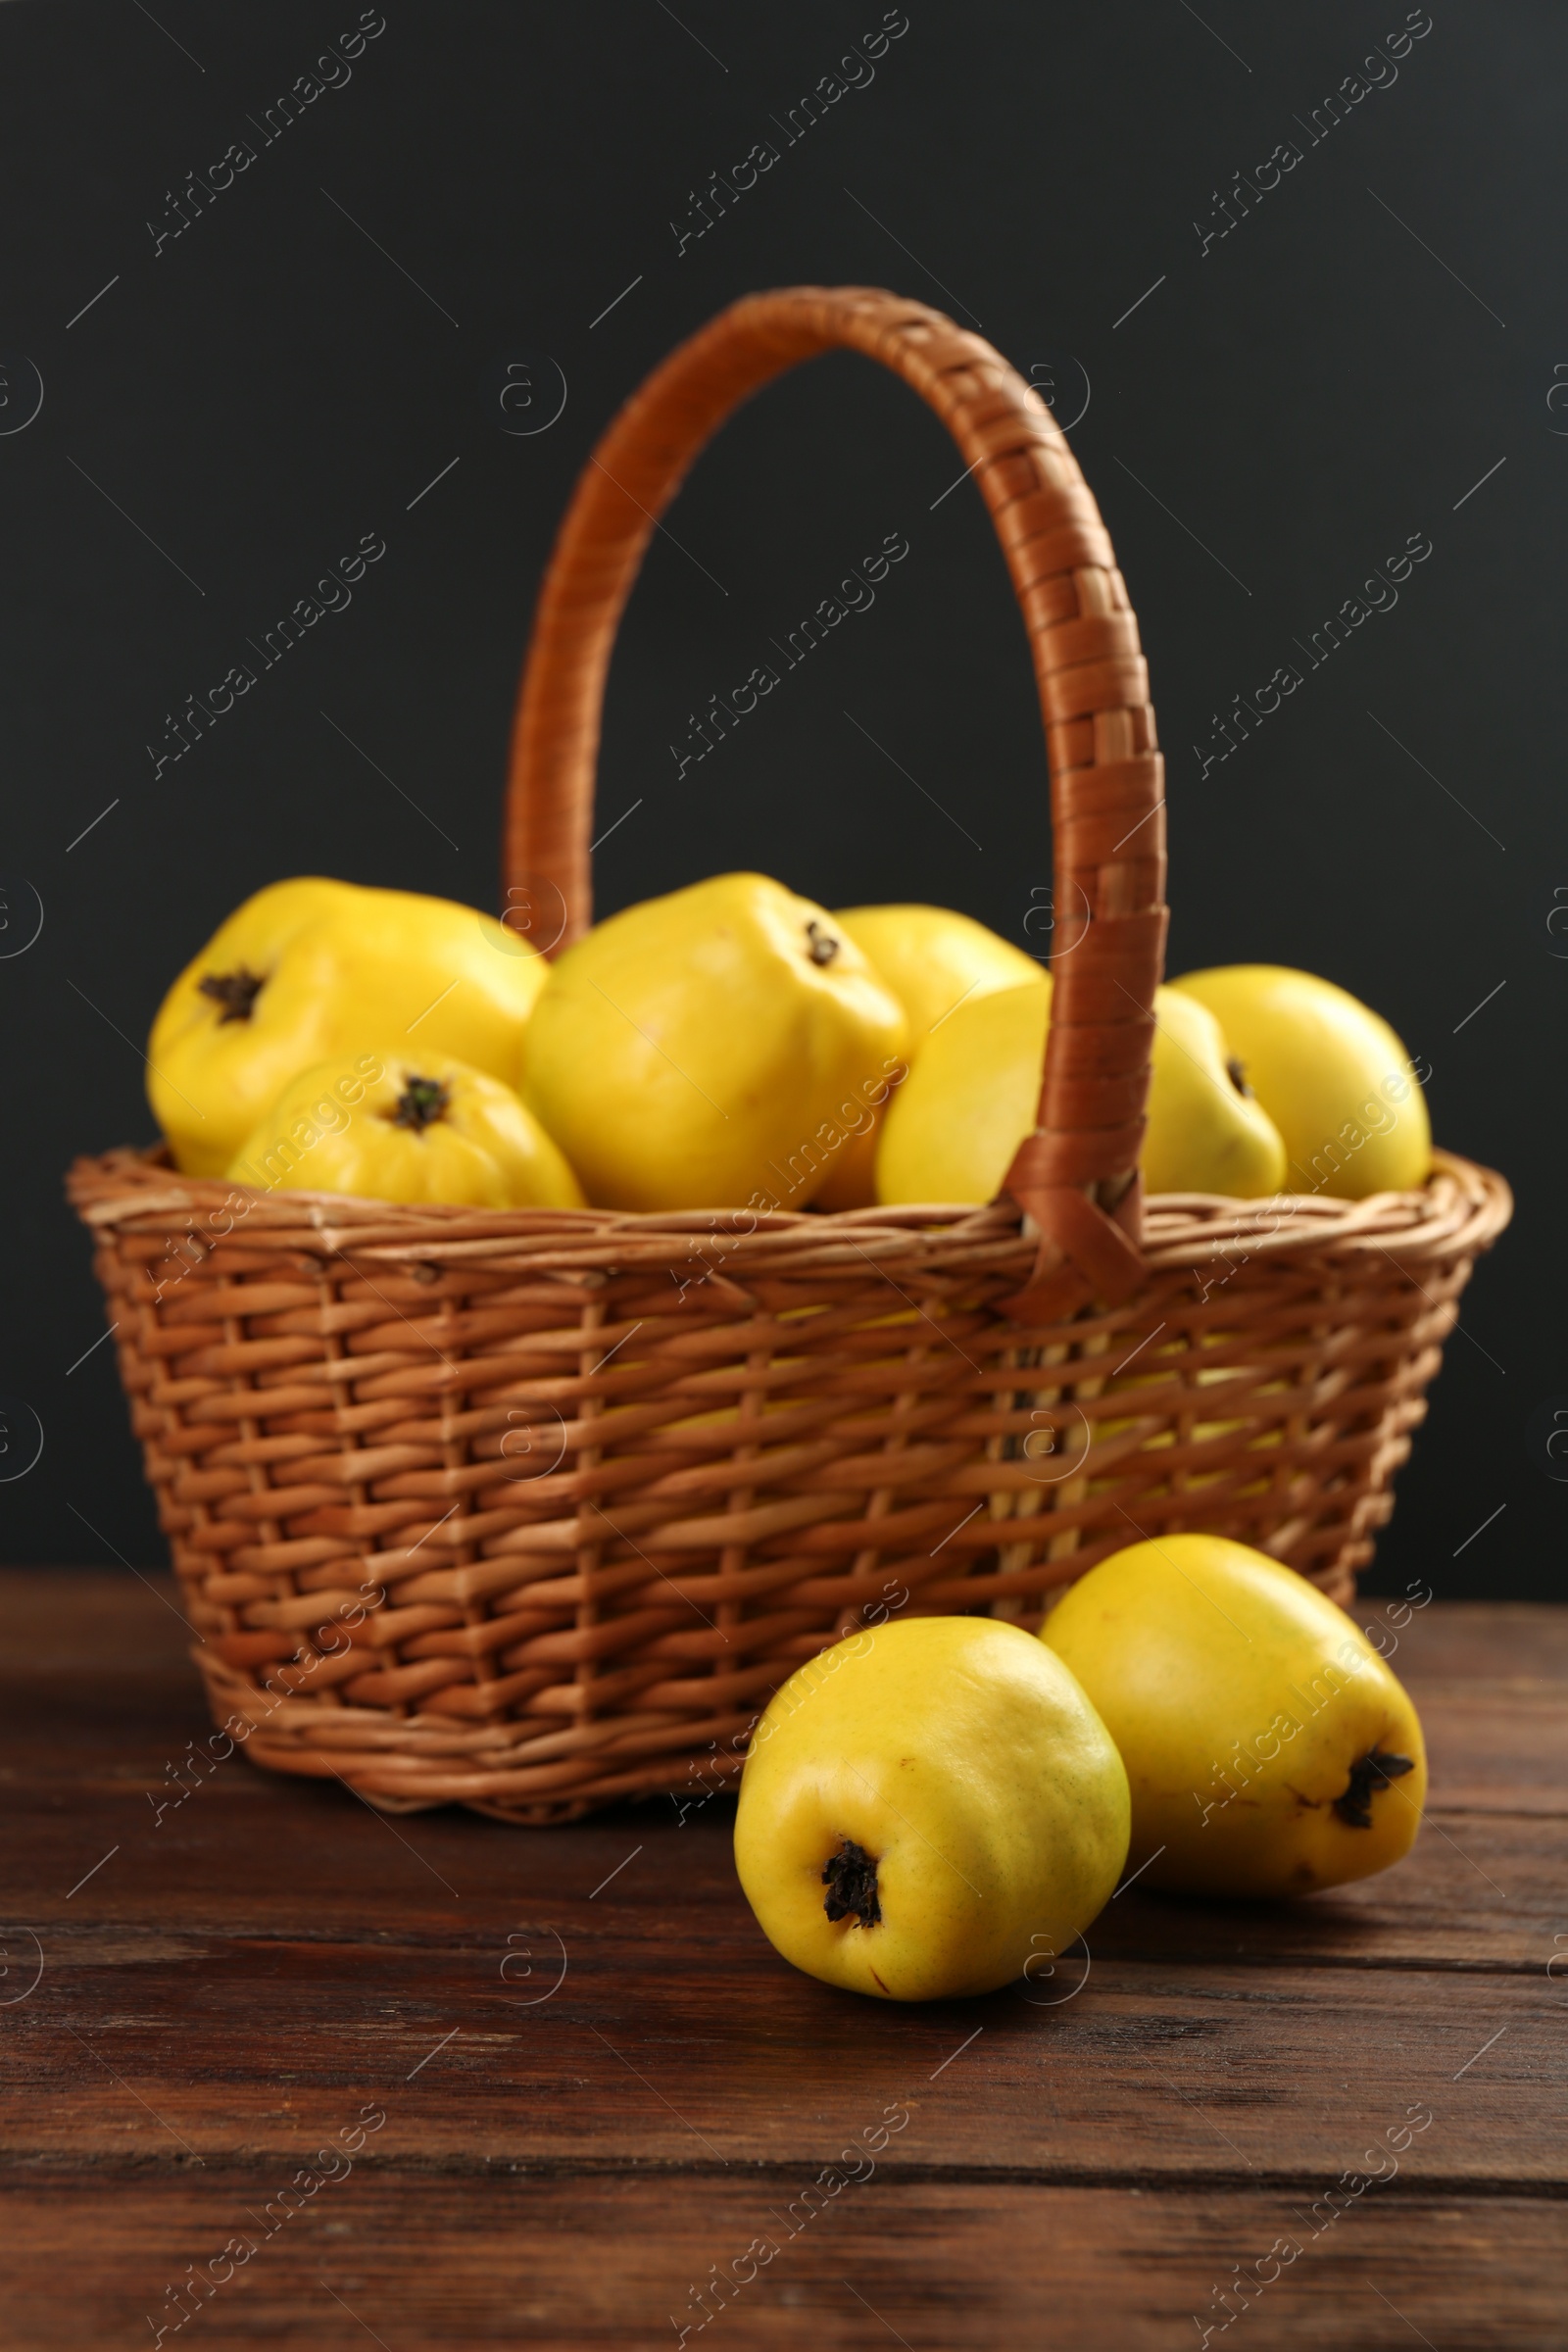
(530, 1512)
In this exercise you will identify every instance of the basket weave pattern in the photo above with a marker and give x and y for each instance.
(613, 1500)
(532, 1510)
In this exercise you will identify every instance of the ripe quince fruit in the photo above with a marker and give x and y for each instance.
(714, 1049)
(1333, 1078)
(1268, 1748)
(1208, 1131)
(934, 959)
(309, 968)
(952, 1127)
(953, 1136)
(923, 1812)
(407, 1127)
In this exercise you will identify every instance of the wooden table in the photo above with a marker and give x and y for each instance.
(539, 2088)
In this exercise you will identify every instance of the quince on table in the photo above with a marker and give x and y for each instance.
(924, 1813)
(1268, 1748)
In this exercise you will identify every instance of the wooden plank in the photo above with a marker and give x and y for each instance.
(265, 1933)
(247, 1852)
(440, 2262)
(89, 1753)
(88, 1620)
(1487, 1677)
(171, 2037)
(1495, 1749)
(1472, 1641)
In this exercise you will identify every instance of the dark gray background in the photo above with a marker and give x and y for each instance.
(1278, 416)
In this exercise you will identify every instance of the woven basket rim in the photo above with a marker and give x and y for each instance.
(1462, 1204)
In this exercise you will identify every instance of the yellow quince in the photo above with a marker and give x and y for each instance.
(1268, 1748)
(311, 968)
(924, 1813)
(1333, 1078)
(952, 1127)
(409, 1126)
(934, 959)
(714, 1049)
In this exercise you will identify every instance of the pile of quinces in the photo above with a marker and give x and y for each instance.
(730, 1045)
(942, 1805)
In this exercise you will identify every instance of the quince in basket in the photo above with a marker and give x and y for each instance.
(934, 960)
(952, 1127)
(409, 1126)
(1333, 1078)
(711, 1049)
(734, 1046)
(311, 968)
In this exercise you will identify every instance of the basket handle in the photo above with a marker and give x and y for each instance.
(1076, 1176)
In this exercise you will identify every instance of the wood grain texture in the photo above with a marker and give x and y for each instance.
(429, 2260)
(566, 2154)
